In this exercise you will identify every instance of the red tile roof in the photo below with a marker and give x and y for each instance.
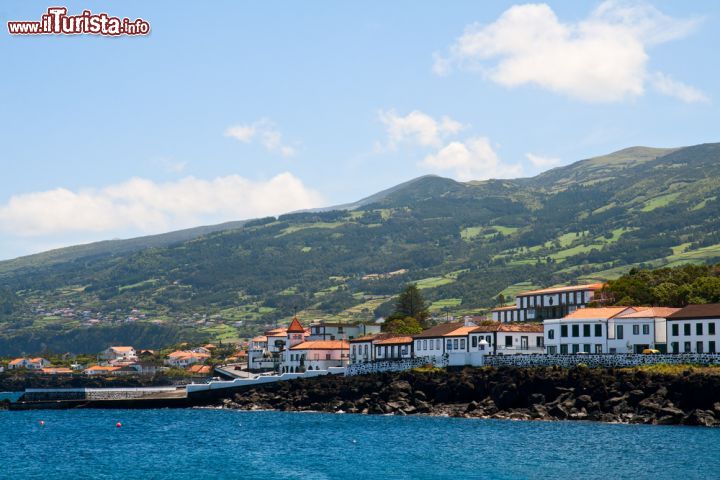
(652, 312)
(396, 340)
(322, 345)
(601, 313)
(295, 326)
(440, 330)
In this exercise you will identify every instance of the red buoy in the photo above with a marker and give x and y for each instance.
(42, 423)
(118, 424)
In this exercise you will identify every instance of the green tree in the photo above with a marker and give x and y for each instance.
(411, 303)
(406, 326)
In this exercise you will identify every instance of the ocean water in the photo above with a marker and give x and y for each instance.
(224, 444)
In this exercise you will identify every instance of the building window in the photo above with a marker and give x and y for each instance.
(598, 330)
(437, 344)
(366, 350)
(327, 356)
(552, 350)
(576, 330)
(540, 341)
(711, 328)
(575, 348)
(474, 341)
(598, 348)
(687, 347)
(613, 350)
(698, 329)
(449, 344)
(586, 330)
(424, 344)
(563, 331)
(619, 332)
(686, 329)
(675, 330)
(636, 329)
(699, 347)
(404, 350)
(674, 347)
(488, 339)
(455, 344)
(564, 349)
(711, 346)
(551, 334)
(462, 344)
(432, 345)
(508, 340)
(646, 329)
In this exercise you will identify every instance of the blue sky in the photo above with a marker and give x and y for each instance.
(255, 108)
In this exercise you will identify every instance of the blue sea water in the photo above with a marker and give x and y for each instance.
(222, 444)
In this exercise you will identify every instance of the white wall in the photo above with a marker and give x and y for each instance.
(693, 337)
(581, 342)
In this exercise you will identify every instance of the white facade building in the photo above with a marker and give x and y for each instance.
(643, 329)
(538, 305)
(119, 354)
(584, 330)
(341, 331)
(694, 329)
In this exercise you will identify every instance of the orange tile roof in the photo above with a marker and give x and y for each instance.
(16, 361)
(295, 326)
(528, 327)
(323, 345)
(461, 332)
(592, 313)
(261, 338)
(276, 332)
(36, 360)
(56, 370)
(440, 330)
(199, 369)
(102, 368)
(568, 288)
(652, 312)
(122, 349)
(399, 340)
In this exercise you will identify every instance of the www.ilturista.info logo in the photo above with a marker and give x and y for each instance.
(57, 22)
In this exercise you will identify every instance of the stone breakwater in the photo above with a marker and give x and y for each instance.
(604, 395)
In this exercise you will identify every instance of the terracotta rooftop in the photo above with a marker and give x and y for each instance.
(595, 313)
(439, 330)
(569, 288)
(395, 340)
(528, 327)
(122, 349)
(708, 310)
(651, 312)
(261, 338)
(322, 345)
(461, 332)
(295, 326)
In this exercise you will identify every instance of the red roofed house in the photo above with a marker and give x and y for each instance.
(694, 329)
(185, 358)
(28, 363)
(317, 355)
(645, 328)
(586, 330)
(119, 354)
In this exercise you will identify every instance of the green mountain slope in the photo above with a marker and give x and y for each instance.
(462, 242)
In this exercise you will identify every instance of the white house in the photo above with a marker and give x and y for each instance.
(508, 338)
(185, 358)
(694, 329)
(317, 355)
(119, 354)
(431, 342)
(28, 363)
(645, 328)
(361, 348)
(556, 302)
(584, 330)
(394, 347)
(341, 331)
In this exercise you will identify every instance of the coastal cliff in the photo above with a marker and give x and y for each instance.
(688, 397)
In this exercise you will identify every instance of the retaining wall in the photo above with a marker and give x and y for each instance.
(393, 365)
(600, 360)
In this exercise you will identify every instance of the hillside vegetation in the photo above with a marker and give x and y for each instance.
(462, 243)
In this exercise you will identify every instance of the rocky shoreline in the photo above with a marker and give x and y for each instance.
(603, 395)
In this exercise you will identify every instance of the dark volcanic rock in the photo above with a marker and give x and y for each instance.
(605, 395)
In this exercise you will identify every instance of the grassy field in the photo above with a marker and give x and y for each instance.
(432, 282)
(441, 305)
(658, 202)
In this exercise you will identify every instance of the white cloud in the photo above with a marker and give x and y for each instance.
(417, 128)
(473, 159)
(667, 86)
(263, 130)
(542, 161)
(141, 205)
(602, 58)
